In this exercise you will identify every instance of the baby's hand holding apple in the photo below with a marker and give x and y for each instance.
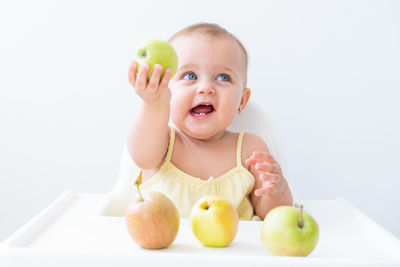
(146, 72)
(154, 91)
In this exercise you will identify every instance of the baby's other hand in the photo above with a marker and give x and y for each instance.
(154, 92)
(269, 172)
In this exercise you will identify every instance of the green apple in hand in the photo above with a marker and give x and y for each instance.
(152, 220)
(289, 231)
(157, 52)
(214, 221)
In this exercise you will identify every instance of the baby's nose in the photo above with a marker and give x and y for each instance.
(206, 89)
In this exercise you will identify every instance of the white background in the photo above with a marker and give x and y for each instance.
(326, 74)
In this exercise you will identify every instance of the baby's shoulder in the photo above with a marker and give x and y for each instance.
(252, 142)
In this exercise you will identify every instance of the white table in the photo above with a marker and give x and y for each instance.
(74, 231)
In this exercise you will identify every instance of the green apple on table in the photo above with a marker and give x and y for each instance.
(152, 219)
(214, 221)
(157, 52)
(289, 231)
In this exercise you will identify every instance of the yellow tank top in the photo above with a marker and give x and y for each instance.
(184, 190)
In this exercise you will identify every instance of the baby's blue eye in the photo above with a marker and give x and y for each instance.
(189, 76)
(223, 77)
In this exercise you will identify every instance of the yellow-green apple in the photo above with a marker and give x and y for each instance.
(214, 221)
(157, 52)
(289, 231)
(152, 220)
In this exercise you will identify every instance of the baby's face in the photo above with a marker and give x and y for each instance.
(208, 85)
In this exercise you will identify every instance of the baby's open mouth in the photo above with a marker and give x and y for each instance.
(202, 110)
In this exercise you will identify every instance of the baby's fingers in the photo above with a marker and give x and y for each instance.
(141, 79)
(251, 160)
(267, 167)
(263, 156)
(165, 79)
(155, 78)
(258, 156)
(132, 73)
(270, 177)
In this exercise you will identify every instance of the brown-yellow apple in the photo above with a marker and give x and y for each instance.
(214, 221)
(152, 220)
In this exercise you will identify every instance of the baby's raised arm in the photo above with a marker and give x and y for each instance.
(148, 137)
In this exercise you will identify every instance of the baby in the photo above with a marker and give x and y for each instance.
(196, 155)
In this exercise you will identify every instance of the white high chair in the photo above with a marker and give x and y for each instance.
(253, 120)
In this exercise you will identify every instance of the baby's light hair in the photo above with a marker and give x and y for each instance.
(213, 30)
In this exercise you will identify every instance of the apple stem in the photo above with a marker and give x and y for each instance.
(301, 216)
(138, 189)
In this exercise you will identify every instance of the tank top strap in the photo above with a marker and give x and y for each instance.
(171, 145)
(239, 149)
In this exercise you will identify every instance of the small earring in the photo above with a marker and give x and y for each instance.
(240, 108)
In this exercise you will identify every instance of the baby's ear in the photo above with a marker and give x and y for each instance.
(244, 100)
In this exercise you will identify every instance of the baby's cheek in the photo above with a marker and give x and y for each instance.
(178, 108)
